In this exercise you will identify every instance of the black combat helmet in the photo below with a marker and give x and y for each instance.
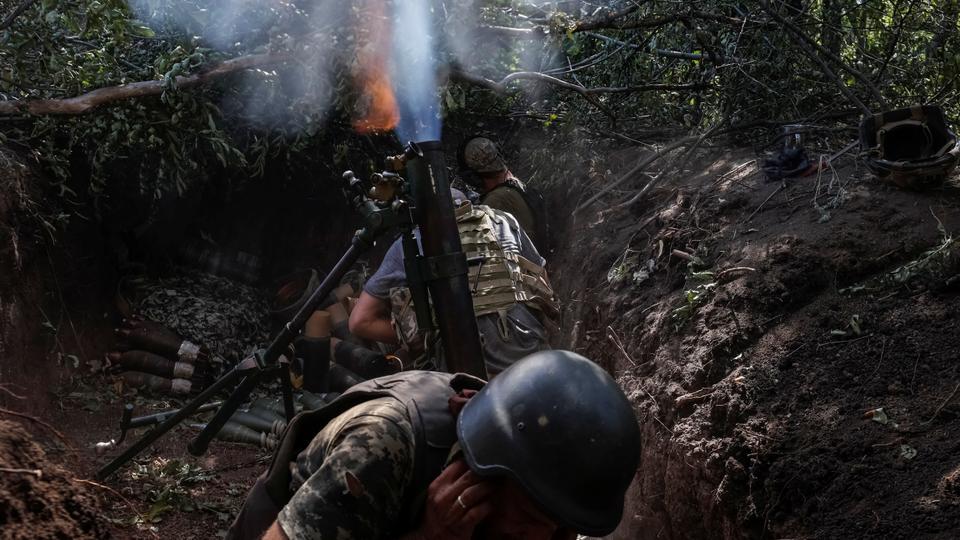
(560, 426)
(912, 148)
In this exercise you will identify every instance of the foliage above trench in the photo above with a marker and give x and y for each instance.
(634, 71)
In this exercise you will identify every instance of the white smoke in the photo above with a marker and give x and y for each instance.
(414, 71)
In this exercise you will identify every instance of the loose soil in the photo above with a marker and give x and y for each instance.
(754, 382)
(38, 499)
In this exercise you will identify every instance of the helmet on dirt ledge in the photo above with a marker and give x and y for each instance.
(911, 148)
(560, 426)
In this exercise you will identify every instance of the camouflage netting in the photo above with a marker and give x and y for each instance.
(229, 318)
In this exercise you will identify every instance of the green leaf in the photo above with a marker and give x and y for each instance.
(139, 29)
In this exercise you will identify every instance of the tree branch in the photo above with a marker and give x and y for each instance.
(804, 39)
(500, 87)
(86, 102)
(602, 20)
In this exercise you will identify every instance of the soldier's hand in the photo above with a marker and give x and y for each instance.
(457, 501)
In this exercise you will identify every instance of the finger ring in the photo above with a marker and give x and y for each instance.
(460, 502)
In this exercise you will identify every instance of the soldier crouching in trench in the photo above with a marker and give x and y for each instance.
(546, 450)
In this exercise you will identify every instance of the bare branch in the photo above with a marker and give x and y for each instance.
(809, 42)
(91, 100)
(604, 19)
(500, 87)
(644, 162)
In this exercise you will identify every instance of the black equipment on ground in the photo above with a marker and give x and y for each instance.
(911, 148)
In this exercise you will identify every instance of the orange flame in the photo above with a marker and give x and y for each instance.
(377, 107)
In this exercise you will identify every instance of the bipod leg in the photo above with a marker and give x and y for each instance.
(149, 437)
(287, 388)
(239, 396)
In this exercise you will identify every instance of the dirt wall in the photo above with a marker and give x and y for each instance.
(754, 324)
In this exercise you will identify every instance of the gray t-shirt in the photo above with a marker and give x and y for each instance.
(505, 339)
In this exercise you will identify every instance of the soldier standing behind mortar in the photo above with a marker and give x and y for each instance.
(484, 168)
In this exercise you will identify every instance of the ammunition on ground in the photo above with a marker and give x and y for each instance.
(318, 325)
(313, 401)
(136, 379)
(340, 378)
(255, 422)
(268, 405)
(156, 338)
(266, 414)
(233, 432)
(153, 364)
(273, 405)
(361, 360)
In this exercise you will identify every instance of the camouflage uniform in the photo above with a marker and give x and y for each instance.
(374, 443)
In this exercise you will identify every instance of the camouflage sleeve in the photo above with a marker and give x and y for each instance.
(357, 490)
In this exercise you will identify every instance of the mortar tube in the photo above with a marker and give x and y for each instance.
(339, 379)
(443, 256)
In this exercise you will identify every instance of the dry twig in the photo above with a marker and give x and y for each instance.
(39, 421)
(35, 472)
(942, 405)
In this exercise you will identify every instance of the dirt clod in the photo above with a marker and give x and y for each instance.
(38, 499)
